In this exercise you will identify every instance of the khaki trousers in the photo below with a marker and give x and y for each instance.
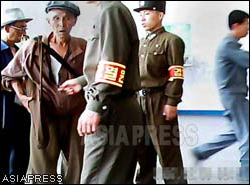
(63, 137)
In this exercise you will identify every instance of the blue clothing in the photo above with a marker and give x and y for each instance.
(14, 128)
(7, 105)
(231, 76)
(231, 67)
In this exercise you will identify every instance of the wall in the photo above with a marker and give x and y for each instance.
(208, 25)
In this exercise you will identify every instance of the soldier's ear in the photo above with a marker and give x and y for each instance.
(161, 15)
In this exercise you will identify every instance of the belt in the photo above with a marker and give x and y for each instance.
(148, 91)
(126, 94)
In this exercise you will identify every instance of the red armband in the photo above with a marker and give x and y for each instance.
(110, 73)
(176, 72)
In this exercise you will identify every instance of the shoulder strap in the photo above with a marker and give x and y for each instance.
(41, 66)
(60, 59)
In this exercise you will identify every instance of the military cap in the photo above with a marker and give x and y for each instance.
(66, 5)
(152, 5)
(13, 15)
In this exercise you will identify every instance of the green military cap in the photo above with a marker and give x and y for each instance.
(66, 5)
(151, 5)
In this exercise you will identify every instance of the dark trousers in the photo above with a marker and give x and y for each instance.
(14, 154)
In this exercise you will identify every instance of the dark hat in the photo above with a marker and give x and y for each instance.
(66, 5)
(13, 15)
(152, 5)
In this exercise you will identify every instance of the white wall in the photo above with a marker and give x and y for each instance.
(208, 20)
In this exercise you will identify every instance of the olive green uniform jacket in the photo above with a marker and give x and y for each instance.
(161, 70)
(111, 69)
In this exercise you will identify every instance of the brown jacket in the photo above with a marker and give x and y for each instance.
(25, 65)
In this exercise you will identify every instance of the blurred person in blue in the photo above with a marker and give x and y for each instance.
(232, 63)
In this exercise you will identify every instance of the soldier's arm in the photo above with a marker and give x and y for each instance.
(175, 58)
(115, 49)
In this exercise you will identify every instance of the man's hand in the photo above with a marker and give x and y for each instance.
(71, 87)
(88, 122)
(25, 101)
(170, 112)
(17, 86)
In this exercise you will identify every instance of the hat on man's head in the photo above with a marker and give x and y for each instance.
(65, 5)
(152, 5)
(13, 15)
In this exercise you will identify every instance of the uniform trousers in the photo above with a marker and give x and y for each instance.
(109, 155)
(162, 139)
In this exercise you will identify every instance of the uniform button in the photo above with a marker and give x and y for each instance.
(142, 56)
(145, 45)
(157, 45)
(104, 107)
(74, 62)
(155, 53)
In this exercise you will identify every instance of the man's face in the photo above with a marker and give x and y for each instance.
(244, 28)
(61, 22)
(16, 31)
(150, 19)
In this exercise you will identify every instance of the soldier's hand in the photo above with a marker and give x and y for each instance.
(170, 112)
(88, 122)
(70, 87)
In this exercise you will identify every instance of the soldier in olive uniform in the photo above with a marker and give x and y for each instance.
(111, 72)
(161, 69)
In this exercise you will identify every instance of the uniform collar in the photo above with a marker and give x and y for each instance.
(152, 35)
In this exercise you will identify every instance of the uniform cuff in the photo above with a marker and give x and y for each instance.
(94, 106)
(82, 80)
(173, 102)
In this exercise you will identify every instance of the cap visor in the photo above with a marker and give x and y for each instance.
(142, 8)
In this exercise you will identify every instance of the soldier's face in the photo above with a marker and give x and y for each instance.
(61, 22)
(151, 20)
